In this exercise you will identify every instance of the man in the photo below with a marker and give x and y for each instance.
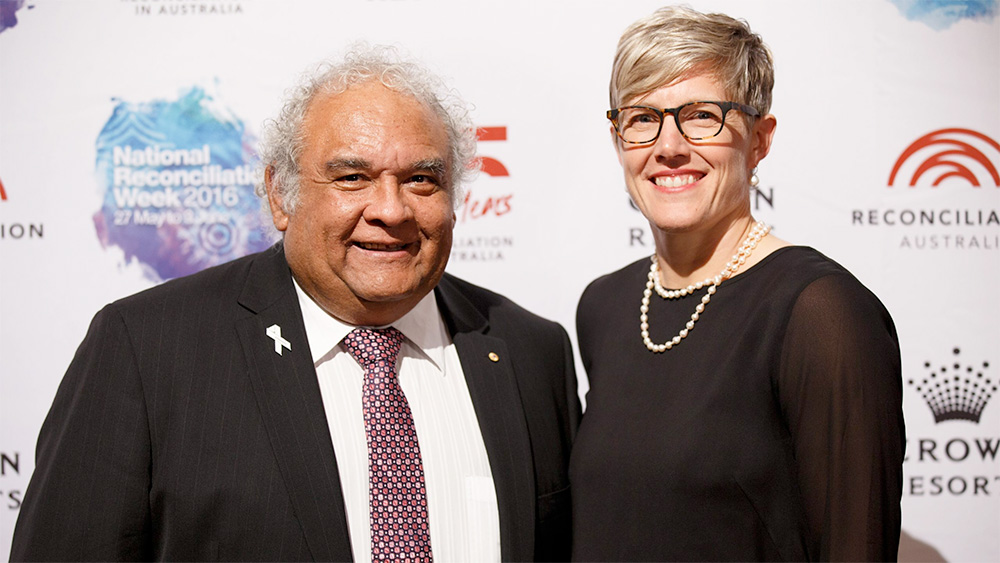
(237, 413)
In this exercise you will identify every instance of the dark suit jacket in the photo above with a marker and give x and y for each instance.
(178, 433)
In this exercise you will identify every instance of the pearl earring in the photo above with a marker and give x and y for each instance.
(754, 180)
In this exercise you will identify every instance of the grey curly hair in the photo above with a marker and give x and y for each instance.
(282, 138)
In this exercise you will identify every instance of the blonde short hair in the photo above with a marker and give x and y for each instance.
(677, 41)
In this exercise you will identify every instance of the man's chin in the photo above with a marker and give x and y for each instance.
(377, 309)
(388, 297)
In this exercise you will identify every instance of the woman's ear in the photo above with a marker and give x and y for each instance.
(761, 136)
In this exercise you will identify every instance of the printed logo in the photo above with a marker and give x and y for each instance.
(475, 238)
(8, 13)
(10, 467)
(953, 460)
(495, 206)
(955, 391)
(962, 166)
(948, 153)
(487, 164)
(185, 7)
(178, 185)
(941, 14)
(19, 230)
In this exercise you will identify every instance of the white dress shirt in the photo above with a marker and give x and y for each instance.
(461, 499)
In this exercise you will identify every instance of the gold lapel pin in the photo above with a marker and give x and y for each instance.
(493, 357)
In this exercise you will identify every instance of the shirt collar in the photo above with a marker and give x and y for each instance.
(422, 326)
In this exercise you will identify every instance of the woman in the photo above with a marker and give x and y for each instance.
(753, 411)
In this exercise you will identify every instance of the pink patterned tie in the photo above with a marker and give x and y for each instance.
(395, 474)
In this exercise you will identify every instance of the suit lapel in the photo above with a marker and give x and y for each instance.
(290, 404)
(489, 373)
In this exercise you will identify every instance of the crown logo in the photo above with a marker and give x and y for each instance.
(956, 392)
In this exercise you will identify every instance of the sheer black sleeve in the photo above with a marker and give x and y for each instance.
(841, 395)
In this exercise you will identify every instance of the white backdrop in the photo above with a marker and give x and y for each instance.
(858, 84)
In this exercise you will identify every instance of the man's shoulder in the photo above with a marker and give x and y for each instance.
(452, 283)
(490, 304)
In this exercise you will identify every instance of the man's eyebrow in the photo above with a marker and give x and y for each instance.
(436, 166)
(351, 163)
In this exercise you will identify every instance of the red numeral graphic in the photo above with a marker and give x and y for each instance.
(487, 164)
(494, 205)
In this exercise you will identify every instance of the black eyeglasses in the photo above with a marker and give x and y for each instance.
(695, 120)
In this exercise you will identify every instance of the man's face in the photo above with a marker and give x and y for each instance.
(372, 230)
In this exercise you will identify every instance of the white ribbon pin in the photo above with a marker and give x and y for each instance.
(274, 331)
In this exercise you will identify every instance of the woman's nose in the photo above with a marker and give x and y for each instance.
(671, 142)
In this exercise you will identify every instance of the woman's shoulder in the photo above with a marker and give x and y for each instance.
(817, 283)
(804, 260)
(794, 268)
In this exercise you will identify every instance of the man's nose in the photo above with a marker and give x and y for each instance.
(388, 203)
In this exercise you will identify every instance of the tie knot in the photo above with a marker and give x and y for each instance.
(374, 347)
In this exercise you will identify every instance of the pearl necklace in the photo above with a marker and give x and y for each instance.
(758, 232)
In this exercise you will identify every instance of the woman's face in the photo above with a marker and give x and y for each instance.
(693, 186)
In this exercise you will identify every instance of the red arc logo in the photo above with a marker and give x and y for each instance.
(954, 151)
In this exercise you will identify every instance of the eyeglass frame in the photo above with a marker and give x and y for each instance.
(612, 115)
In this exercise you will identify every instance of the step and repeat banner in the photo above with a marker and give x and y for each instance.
(128, 133)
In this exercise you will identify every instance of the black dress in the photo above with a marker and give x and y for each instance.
(774, 431)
